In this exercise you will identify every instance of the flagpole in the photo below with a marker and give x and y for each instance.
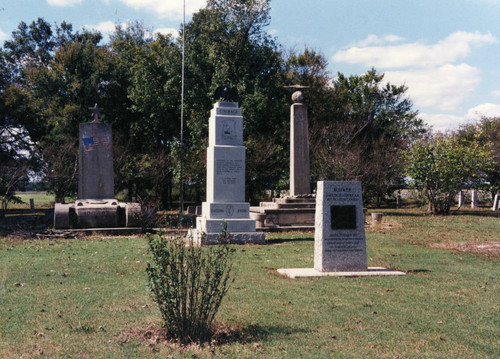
(181, 184)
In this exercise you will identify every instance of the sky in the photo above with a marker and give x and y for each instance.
(445, 51)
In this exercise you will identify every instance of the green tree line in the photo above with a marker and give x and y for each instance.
(50, 75)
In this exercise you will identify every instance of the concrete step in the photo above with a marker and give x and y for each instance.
(275, 205)
(287, 228)
(294, 200)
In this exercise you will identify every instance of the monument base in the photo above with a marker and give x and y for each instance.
(242, 231)
(311, 272)
(201, 238)
(96, 213)
(286, 214)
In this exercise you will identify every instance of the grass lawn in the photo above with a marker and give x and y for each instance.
(41, 199)
(88, 298)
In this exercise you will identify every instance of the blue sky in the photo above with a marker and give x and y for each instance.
(445, 51)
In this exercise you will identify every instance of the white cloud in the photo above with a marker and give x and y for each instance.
(166, 8)
(378, 40)
(496, 93)
(167, 31)
(442, 122)
(484, 109)
(105, 28)
(454, 47)
(443, 88)
(63, 2)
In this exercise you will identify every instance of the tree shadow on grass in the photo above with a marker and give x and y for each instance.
(285, 239)
(405, 214)
(414, 271)
(461, 212)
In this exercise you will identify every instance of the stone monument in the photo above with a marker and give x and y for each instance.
(496, 202)
(226, 181)
(461, 199)
(96, 206)
(473, 199)
(300, 178)
(339, 238)
(296, 211)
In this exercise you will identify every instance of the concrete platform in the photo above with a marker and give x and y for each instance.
(311, 272)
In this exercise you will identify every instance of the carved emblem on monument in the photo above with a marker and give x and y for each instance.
(229, 129)
(229, 210)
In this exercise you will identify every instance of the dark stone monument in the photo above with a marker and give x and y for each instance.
(95, 159)
(96, 206)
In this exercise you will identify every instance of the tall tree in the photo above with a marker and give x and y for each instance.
(226, 45)
(370, 125)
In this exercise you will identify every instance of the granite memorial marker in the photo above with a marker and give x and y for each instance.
(339, 238)
(226, 181)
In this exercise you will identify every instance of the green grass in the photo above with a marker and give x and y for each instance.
(84, 298)
(42, 200)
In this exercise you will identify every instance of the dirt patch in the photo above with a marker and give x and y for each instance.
(489, 248)
(154, 334)
(387, 224)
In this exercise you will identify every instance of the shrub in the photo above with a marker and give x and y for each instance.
(442, 165)
(188, 283)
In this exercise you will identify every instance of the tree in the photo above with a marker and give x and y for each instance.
(226, 45)
(442, 165)
(487, 133)
(369, 125)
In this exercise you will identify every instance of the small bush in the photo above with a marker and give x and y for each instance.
(189, 283)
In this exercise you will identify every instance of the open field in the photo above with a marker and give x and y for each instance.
(88, 298)
(42, 200)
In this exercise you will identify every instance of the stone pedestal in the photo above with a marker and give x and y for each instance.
(226, 181)
(285, 214)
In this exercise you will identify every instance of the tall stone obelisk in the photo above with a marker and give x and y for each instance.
(226, 181)
(300, 177)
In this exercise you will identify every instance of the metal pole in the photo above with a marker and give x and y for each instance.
(181, 184)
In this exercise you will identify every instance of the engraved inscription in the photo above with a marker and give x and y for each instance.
(226, 168)
(228, 111)
(347, 245)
